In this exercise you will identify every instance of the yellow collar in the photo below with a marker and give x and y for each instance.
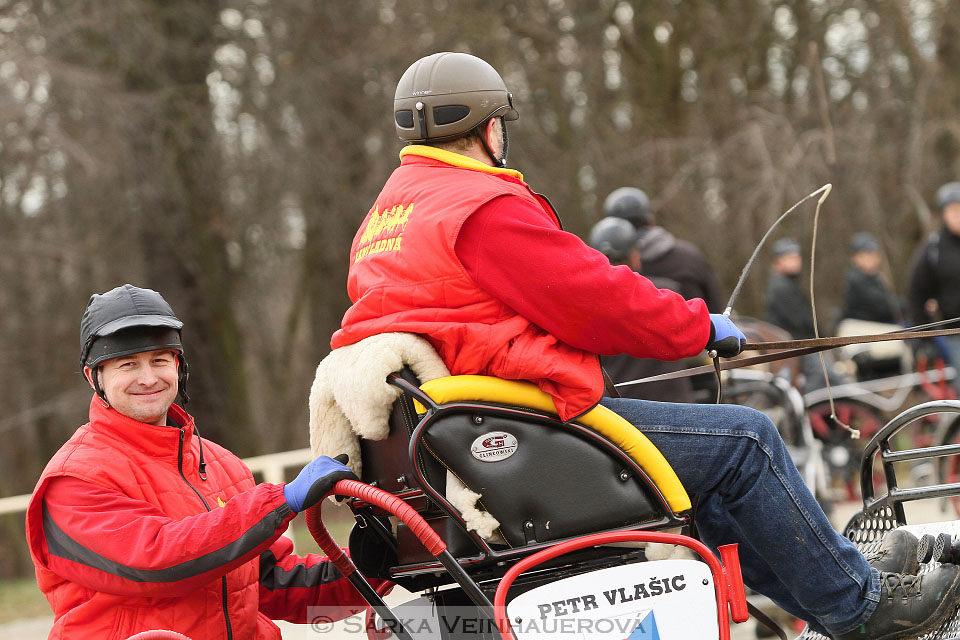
(456, 159)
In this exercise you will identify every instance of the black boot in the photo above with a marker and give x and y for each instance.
(911, 606)
(897, 553)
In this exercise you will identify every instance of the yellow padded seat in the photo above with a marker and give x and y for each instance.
(600, 419)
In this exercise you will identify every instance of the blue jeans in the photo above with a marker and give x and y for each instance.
(751, 493)
(952, 344)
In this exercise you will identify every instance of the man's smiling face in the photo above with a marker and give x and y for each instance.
(141, 386)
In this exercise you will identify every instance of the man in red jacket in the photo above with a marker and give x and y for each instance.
(137, 523)
(459, 249)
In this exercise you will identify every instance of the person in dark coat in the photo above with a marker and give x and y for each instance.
(786, 303)
(933, 291)
(617, 239)
(663, 254)
(934, 285)
(866, 296)
(789, 308)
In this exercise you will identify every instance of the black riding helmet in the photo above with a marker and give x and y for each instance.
(129, 320)
(615, 238)
(630, 204)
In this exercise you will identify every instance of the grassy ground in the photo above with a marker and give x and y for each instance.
(20, 598)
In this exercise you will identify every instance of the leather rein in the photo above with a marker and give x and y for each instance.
(794, 348)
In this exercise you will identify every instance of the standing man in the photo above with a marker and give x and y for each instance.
(137, 523)
(457, 248)
(663, 254)
(933, 291)
(786, 304)
(865, 295)
(869, 306)
(789, 308)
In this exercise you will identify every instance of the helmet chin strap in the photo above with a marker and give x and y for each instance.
(500, 161)
(95, 376)
(183, 374)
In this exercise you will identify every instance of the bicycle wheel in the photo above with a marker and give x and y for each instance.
(841, 452)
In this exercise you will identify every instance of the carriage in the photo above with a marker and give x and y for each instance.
(584, 554)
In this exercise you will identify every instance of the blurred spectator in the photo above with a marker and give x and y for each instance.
(788, 308)
(933, 291)
(663, 254)
(786, 303)
(617, 239)
(869, 306)
(866, 296)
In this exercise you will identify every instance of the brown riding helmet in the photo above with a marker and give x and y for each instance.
(445, 95)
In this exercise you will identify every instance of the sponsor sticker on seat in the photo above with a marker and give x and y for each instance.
(494, 446)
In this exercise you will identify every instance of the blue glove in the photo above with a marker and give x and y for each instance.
(725, 338)
(316, 480)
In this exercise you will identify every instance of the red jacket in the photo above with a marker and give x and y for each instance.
(410, 272)
(405, 276)
(126, 537)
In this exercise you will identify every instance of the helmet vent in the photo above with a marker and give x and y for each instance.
(448, 114)
(405, 118)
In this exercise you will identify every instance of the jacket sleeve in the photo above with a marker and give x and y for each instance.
(306, 588)
(107, 541)
(851, 302)
(921, 285)
(551, 278)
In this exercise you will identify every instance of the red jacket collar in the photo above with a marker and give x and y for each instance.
(151, 439)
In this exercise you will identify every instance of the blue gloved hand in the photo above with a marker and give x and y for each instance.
(316, 480)
(725, 338)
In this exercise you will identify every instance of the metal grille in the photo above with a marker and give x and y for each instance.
(869, 526)
(866, 531)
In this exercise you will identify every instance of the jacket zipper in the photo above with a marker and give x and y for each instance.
(223, 579)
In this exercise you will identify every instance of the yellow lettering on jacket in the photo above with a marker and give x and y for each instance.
(384, 230)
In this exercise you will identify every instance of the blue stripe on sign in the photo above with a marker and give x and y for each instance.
(646, 630)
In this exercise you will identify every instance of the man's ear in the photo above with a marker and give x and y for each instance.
(490, 132)
(88, 374)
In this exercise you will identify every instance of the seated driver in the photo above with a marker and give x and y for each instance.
(457, 248)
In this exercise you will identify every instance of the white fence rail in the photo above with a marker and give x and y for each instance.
(270, 466)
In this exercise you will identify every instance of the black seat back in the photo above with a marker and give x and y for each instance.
(560, 481)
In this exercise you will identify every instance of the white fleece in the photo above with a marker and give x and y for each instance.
(350, 399)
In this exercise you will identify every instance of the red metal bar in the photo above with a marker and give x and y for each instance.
(343, 562)
(736, 594)
(721, 579)
(377, 497)
(326, 542)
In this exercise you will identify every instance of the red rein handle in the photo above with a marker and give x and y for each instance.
(377, 497)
